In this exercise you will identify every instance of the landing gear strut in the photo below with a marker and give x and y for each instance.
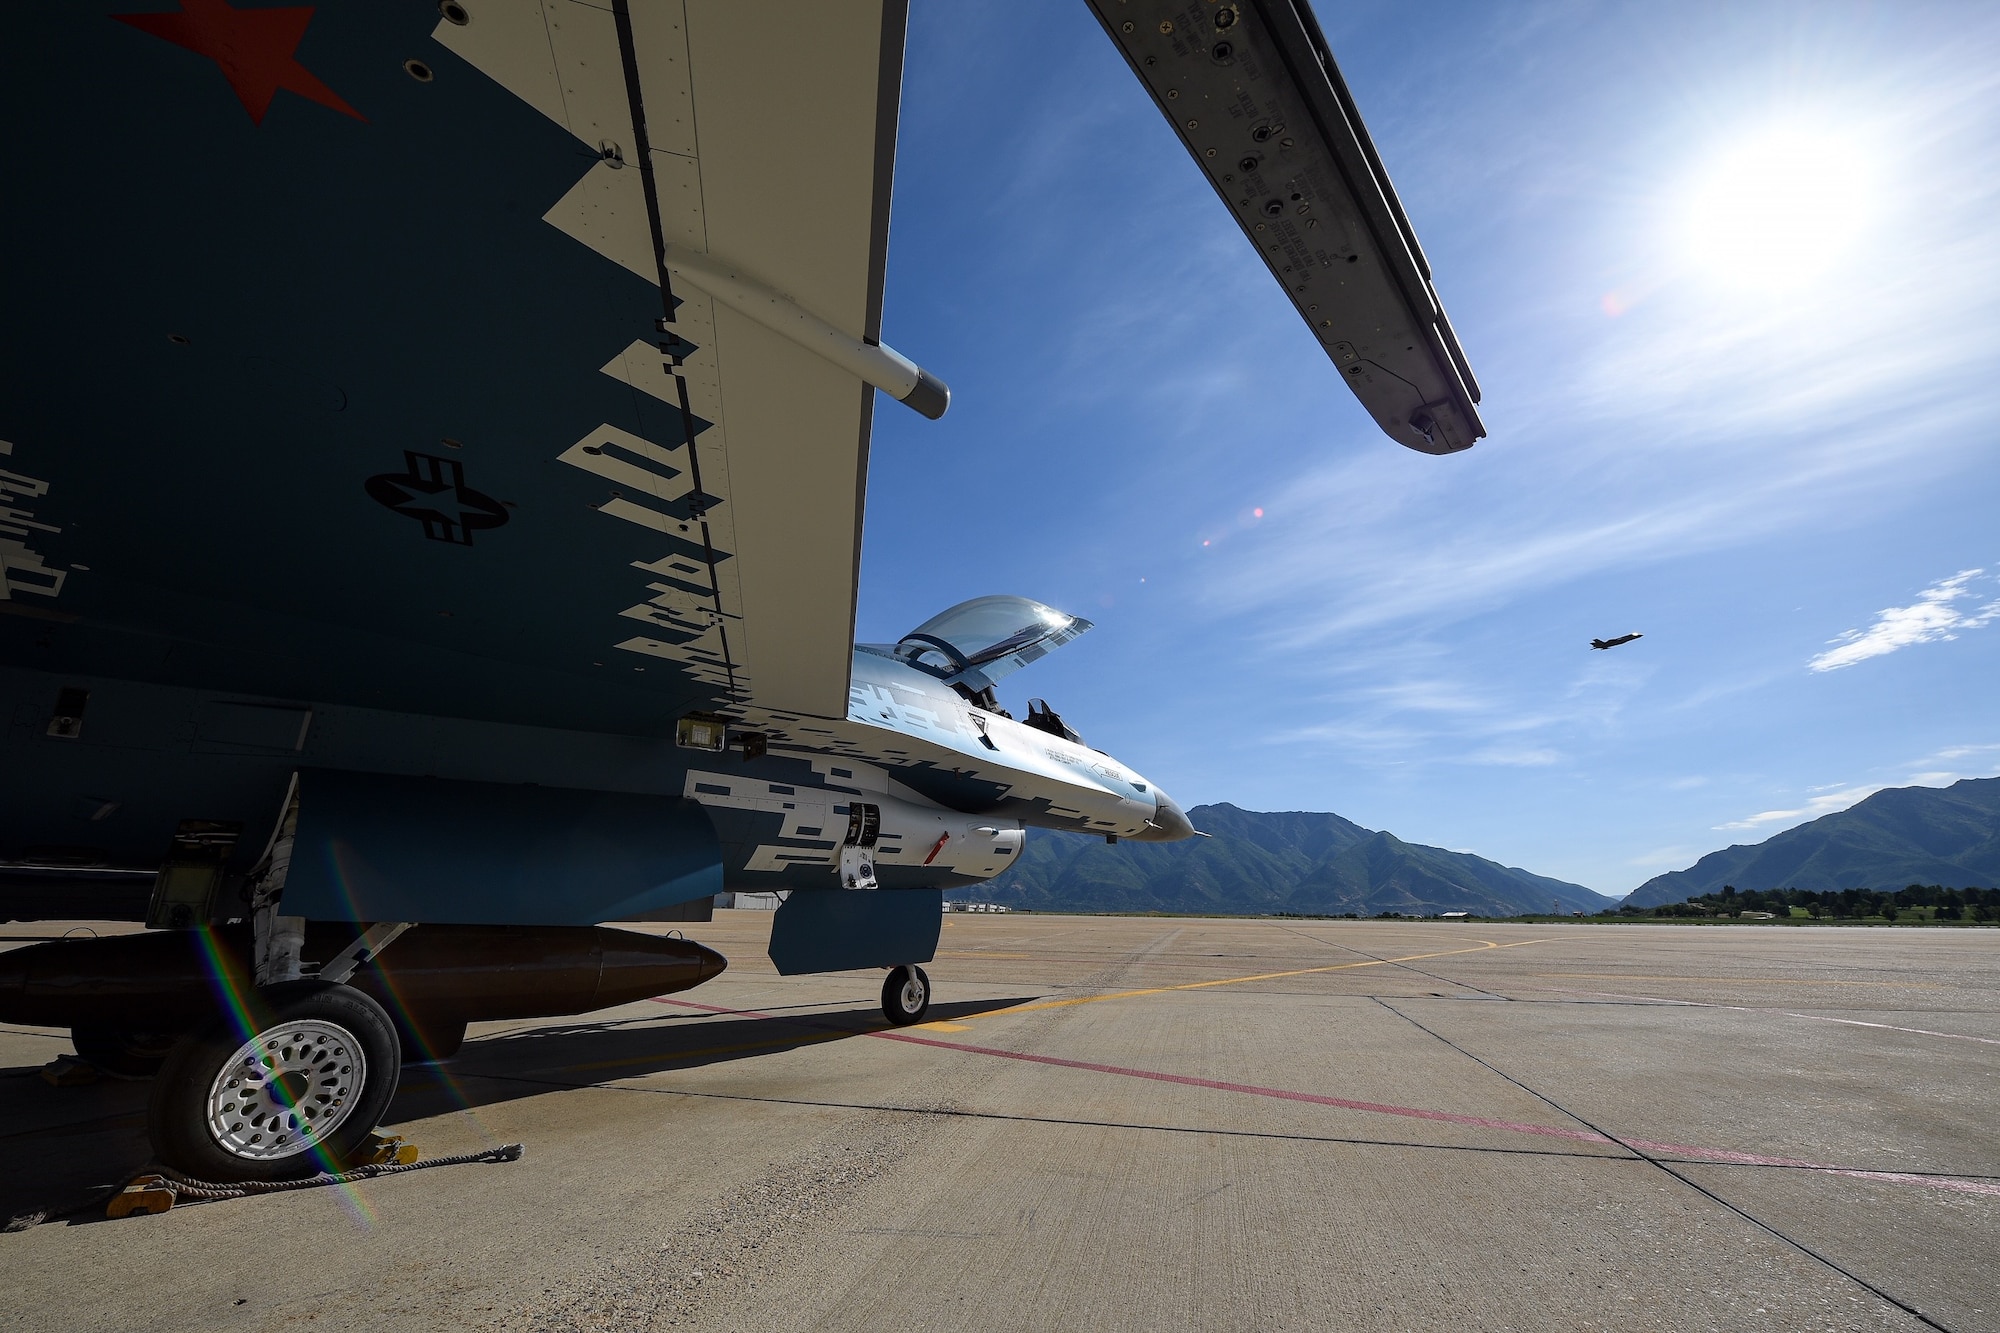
(906, 995)
(293, 1085)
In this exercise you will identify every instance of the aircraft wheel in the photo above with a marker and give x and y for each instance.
(906, 995)
(122, 1052)
(313, 1079)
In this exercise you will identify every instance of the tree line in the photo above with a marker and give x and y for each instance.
(1932, 902)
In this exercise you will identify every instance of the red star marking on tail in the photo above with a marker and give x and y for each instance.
(253, 46)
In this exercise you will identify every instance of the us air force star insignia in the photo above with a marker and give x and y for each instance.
(433, 491)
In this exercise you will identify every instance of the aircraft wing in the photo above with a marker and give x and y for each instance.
(383, 363)
(1254, 94)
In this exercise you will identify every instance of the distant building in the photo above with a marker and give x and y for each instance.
(1453, 916)
(749, 902)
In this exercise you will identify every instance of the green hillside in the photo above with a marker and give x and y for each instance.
(1902, 836)
(1255, 863)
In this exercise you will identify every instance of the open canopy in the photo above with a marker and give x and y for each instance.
(992, 637)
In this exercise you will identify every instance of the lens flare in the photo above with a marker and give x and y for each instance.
(1782, 208)
(343, 863)
(235, 997)
(232, 987)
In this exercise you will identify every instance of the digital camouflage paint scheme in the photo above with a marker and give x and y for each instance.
(444, 510)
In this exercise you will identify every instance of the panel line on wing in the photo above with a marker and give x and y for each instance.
(628, 53)
(760, 497)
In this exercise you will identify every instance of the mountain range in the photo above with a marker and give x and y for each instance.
(1898, 836)
(1259, 863)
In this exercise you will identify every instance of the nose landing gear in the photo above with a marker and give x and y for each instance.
(906, 995)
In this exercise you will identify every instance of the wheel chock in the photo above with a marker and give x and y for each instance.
(147, 1194)
(66, 1071)
(156, 1193)
(383, 1150)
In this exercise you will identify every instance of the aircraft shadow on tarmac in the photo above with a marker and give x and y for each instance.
(60, 1148)
(536, 1060)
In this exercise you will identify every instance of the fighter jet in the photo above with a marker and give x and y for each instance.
(1613, 643)
(431, 497)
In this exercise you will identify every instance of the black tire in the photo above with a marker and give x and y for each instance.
(330, 1026)
(123, 1052)
(906, 995)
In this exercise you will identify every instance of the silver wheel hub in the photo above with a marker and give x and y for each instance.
(285, 1089)
(913, 993)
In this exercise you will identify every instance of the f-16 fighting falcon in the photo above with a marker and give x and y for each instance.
(434, 451)
(1613, 643)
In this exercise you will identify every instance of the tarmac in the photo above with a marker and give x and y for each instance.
(1127, 1123)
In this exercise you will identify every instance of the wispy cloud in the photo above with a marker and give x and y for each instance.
(1400, 637)
(1949, 765)
(1510, 756)
(1928, 771)
(1967, 752)
(1852, 395)
(1938, 613)
(1399, 703)
(1824, 804)
(1666, 856)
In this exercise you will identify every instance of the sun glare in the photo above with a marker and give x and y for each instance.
(1781, 209)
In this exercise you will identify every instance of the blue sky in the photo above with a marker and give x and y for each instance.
(1728, 275)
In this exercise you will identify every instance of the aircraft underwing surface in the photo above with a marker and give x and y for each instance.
(354, 420)
(342, 378)
(1254, 94)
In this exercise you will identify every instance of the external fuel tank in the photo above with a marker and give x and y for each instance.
(170, 980)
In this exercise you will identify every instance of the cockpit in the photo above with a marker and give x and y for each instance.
(977, 643)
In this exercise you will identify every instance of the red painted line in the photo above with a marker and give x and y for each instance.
(1721, 1155)
(1282, 1094)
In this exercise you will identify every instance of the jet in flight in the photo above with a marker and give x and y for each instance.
(430, 514)
(1613, 643)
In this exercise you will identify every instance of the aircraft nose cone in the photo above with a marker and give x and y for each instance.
(1170, 822)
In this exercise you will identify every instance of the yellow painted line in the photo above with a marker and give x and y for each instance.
(670, 1057)
(1748, 981)
(1484, 945)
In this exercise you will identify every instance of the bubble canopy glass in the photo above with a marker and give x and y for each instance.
(988, 636)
